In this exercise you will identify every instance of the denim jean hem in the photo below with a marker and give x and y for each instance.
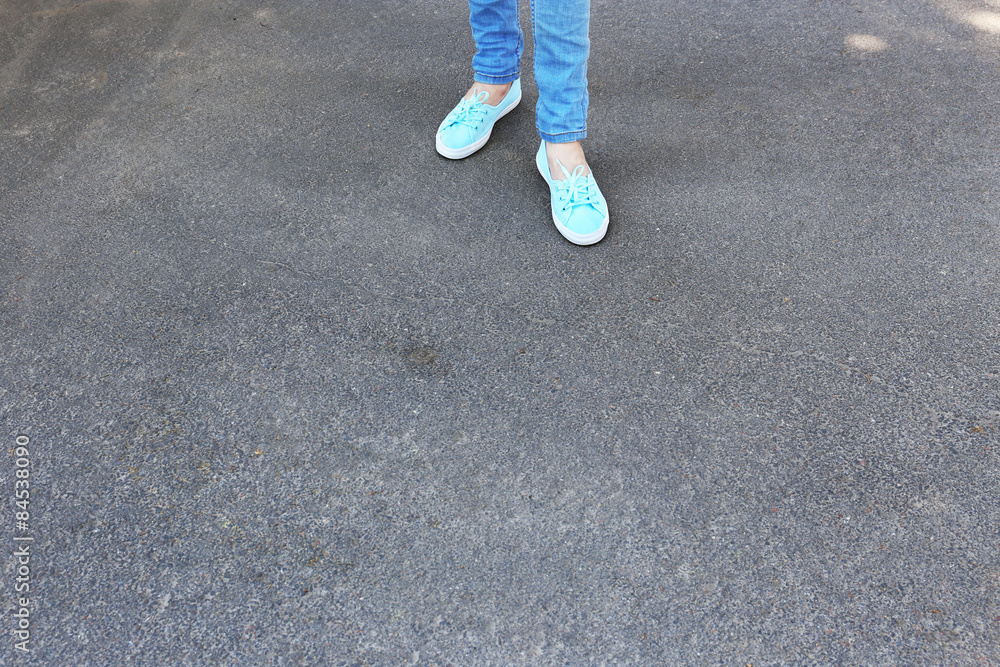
(496, 80)
(563, 137)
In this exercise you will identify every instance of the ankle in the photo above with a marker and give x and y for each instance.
(495, 92)
(569, 155)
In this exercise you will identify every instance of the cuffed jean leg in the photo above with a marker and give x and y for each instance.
(499, 40)
(562, 46)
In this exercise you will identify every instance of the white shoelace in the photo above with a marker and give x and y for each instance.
(575, 190)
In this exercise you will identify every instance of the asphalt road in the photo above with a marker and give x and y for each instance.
(293, 389)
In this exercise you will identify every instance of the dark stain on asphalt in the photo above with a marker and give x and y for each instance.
(422, 356)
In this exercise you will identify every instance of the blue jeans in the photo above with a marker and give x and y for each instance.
(562, 45)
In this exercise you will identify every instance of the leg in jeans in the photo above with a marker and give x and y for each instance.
(499, 45)
(562, 47)
(497, 90)
(499, 40)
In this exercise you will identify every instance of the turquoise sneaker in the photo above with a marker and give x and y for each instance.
(578, 207)
(469, 125)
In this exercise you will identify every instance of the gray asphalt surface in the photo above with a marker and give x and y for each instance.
(298, 391)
